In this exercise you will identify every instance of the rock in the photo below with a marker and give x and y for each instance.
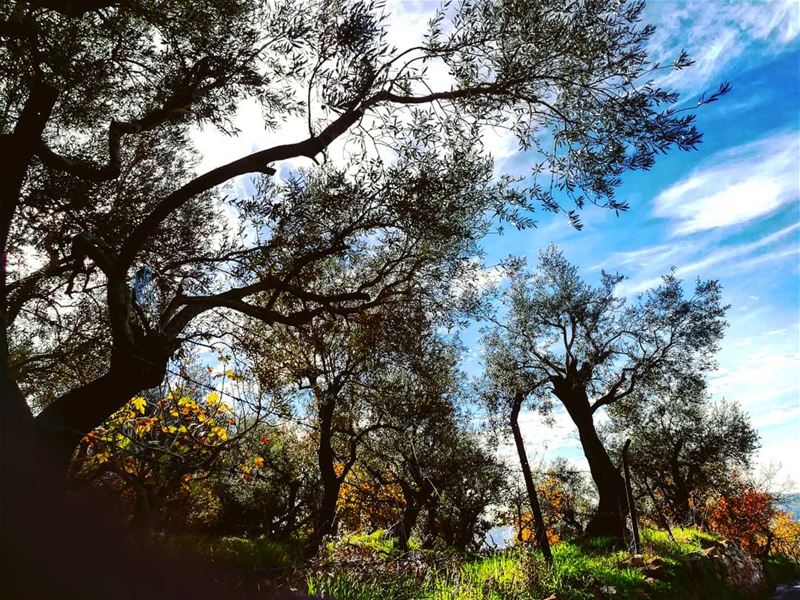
(608, 590)
(655, 560)
(740, 571)
(636, 561)
(654, 571)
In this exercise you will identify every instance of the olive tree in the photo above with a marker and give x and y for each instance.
(684, 447)
(591, 348)
(101, 196)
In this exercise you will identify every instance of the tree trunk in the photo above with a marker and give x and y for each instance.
(540, 532)
(415, 500)
(403, 528)
(612, 505)
(432, 523)
(325, 522)
(62, 424)
(683, 512)
(146, 518)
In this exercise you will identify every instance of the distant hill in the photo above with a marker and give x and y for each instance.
(792, 505)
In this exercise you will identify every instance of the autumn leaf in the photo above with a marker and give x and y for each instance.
(139, 403)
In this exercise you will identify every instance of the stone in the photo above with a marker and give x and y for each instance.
(608, 590)
(653, 571)
(655, 560)
(636, 561)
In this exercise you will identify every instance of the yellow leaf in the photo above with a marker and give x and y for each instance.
(259, 461)
(220, 432)
(213, 398)
(139, 403)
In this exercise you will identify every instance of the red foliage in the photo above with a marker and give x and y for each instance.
(745, 517)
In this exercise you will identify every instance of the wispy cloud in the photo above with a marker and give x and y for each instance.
(734, 186)
(718, 35)
(696, 257)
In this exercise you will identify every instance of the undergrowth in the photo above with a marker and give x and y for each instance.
(579, 572)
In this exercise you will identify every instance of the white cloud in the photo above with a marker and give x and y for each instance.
(734, 186)
(740, 250)
(778, 417)
(756, 378)
(696, 256)
(716, 35)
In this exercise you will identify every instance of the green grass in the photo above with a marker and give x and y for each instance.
(378, 541)
(580, 572)
(245, 554)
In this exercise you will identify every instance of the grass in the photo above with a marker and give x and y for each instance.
(370, 566)
(243, 554)
(580, 572)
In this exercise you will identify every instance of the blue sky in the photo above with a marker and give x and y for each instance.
(728, 211)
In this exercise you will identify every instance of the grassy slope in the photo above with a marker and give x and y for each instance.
(365, 567)
(586, 572)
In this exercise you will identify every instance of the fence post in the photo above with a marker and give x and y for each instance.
(637, 545)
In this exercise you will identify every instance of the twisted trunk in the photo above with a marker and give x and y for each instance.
(609, 519)
(415, 500)
(62, 424)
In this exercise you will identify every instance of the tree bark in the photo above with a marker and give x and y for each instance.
(540, 533)
(415, 500)
(62, 424)
(612, 505)
(681, 499)
(325, 522)
(432, 523)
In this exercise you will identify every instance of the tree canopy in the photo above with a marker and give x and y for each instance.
(343, 246)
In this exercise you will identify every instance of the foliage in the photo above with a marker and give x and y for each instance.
(683, 448)
(567, 498)
(267, 484)
(587, 346)
(367, 503)
(752, 516)
(785, 536)
(778, 569)
(156, 448)
(114, 192)
(745, 516)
